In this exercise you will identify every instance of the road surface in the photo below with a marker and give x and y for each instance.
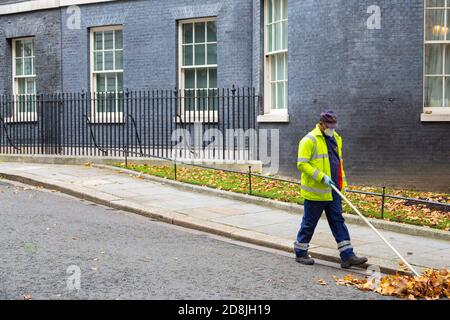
(47, 239)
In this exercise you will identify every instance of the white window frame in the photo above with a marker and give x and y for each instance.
(201, 115)
(431, 114)
(104, 116)
(18, 116)
(271, 114)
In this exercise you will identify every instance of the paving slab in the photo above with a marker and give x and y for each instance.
(285, 229)
(203, 213)
(250, 220)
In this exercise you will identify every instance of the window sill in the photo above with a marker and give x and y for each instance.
(435, 117)
(100, 120)
(272, 117)
(198, 118)
(30, 119)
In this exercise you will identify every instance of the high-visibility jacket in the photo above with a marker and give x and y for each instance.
(314, 164)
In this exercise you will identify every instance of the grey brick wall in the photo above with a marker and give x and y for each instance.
(150, 41)
(46, 28)
(373, 80)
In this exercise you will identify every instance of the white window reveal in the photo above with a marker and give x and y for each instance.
(198, 68)
(276, 61)
(437, 61)
(24, 80)
(107, 74)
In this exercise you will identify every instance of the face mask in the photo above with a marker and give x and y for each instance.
(329, 132)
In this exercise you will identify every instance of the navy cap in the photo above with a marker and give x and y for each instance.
(329, 117)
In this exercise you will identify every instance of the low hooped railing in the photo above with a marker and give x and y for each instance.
(138, 138)
(8, 138)
(91, 134)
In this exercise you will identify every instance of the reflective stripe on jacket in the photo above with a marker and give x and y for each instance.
(314, 164)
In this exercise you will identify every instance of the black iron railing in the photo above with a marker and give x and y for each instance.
(204, 123)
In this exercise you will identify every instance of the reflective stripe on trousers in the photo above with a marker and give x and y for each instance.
(344, 245)
(301, 246)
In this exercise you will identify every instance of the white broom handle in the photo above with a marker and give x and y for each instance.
(374, 229)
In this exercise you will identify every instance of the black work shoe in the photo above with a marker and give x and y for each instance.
(353, 261)
(306, 260)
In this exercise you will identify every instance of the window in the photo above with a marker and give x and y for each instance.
(24, 80)
(437, 57)
(107, 73)
(276, 57)
(198, 64)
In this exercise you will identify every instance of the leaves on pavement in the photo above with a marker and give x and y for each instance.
(322, 282)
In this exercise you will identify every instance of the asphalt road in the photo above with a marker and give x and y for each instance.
(125, 256)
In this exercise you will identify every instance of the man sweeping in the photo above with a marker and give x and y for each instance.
(321, 164)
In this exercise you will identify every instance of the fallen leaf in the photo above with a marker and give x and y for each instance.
(322, 282)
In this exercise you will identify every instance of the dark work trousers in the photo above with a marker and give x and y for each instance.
(333, 211)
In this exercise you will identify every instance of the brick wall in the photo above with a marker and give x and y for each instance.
(373, 80)
(150, 41)
(46, 28)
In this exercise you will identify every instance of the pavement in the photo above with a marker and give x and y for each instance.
(121, 255)
(237, 219)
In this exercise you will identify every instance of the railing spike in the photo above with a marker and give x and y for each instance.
(233, 89)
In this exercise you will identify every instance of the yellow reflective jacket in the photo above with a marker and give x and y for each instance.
(314, 164)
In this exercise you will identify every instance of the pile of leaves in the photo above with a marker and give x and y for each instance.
(431, 285)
